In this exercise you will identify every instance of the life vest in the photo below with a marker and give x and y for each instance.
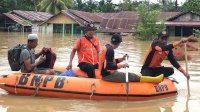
(103, 63)
(154, 58)
(88, 52)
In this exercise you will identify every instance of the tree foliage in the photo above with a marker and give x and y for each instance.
(168, 5)
(126, 5)
(25, 5)
(197, 33)
(106, 6)
(7, 5)
(191, 5)
(94, 6)
(54, 6)
(147, 22)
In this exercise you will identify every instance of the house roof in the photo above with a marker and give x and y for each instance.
(167, 15)
(171, 21)
(33, 15)
(26, 18)
(123, 14)
(116, 30)
(180, 14)
(126, 20)
(118, 22)
(80, 17)
(177, 23)
(87, 16)
(72, 16)
(18, 19)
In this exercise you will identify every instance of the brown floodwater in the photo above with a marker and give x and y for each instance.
(62, 45)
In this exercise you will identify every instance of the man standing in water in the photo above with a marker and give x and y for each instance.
(87, 48)
(157, 52)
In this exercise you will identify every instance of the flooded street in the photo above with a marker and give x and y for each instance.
(62, 46)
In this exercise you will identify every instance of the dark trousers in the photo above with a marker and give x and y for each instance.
(88, 68)
(148, 71)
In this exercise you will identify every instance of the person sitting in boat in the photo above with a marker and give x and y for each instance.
(28, 57)
(157, 52)
(87, 48)
(108, 65)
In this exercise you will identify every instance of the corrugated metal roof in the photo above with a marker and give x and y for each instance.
(108, 15)
(123, 14)
(116, 30)
(180, 14)
(18, 19)
(90, 17)
(126, 20)
(171, 23)
(120, 22)
(167, 15)
(80, 16)
(117, 24)
(33, 15)
(75, 18)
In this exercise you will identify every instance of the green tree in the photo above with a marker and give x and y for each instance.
(78, 5)
(90, 6)
(146, 27)
(197, 33)
(7, 5)
(54, 6)
(25, 5)
(191, 5)
(126, 5)
(94, 6)
(168, 5)
(106, 6)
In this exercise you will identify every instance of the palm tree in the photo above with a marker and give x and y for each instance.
(54, 6)
(176, 4)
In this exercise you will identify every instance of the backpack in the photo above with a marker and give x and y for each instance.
(14, 57)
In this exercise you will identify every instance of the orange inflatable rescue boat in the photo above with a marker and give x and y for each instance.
(83, 88)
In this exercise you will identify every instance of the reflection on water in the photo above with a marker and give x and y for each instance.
(62, 45)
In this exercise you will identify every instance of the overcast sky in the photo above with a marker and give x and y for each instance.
(180, 2)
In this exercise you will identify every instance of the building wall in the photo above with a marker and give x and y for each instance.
(188, 17)
(46, 28)
(58, 20)
(61, 19)
(35, 27)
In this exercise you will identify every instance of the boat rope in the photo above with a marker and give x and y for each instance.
(93, 90)
(173, 80)
(37, 85)
(16, 82)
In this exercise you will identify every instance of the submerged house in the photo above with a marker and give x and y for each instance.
(177, 23)
(25, 21)
(125, 22)
(182, 24)
(72, 21)
(69, 21)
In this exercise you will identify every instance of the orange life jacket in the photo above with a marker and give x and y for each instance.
(87, 52)
(103, 64)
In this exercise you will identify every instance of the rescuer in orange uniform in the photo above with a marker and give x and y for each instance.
(108, 65)
(156, 53)
(87, 48)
